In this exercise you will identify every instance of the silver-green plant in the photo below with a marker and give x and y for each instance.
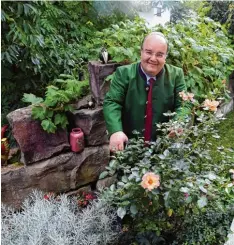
(58, 221)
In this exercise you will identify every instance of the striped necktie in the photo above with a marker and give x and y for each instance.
(149, 113)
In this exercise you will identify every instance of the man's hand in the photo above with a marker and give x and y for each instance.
(117, 141)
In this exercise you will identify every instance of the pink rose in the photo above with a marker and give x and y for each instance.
(150, 181)
(211, 104)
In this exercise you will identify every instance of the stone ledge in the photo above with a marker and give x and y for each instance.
(59, 174)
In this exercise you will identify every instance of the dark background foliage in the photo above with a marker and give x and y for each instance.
(41, 39)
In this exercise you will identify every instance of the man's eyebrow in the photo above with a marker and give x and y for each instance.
(148, 50)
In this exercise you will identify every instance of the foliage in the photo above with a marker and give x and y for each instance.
(51, 111)
(42, 39)
(202, 49)
(225, 143)
(123, 40)
(198, 45)
(208, 227)
(178, 10)
(191, 183)
(222, 11)
(58, 221)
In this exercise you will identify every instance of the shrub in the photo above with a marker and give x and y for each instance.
(58, 221)
(163, 185)
(207, 227)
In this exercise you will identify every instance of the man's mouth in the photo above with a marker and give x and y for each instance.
(152, 64)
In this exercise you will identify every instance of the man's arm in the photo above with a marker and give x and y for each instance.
(179, 87)
(112, 108)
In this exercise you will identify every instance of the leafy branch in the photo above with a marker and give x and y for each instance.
(51, 111)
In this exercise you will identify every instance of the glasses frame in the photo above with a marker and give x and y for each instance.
(159, 55)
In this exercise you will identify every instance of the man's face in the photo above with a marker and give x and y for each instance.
(153, 55)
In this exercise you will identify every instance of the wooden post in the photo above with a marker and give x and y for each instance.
(97, 74)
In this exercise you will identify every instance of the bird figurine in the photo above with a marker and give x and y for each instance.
(5, 148)
(104, 56)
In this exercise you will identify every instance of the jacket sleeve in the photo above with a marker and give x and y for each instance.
(114, 101)
(180, 86)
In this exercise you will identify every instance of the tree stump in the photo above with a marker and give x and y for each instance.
(98, 72)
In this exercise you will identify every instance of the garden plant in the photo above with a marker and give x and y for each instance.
(50, 219)
(164, 187)
(178, 190)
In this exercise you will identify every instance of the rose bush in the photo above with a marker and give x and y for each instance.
(162, 184)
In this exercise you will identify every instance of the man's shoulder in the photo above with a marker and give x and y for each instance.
(172, 68)
(131, 68)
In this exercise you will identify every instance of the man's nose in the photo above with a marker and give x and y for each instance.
(154, 57)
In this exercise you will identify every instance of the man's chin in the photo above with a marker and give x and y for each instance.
(152, 73)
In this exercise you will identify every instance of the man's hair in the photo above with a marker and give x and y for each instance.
(156, 33)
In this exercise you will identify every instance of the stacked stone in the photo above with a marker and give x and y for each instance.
(49, 163)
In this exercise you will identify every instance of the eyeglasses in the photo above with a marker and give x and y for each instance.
(158, 55)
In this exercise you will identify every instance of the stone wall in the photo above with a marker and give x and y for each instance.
(48, 162)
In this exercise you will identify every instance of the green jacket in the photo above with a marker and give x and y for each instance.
(125, 103)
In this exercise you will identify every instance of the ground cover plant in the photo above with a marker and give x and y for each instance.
(164, 188)
(46, 219)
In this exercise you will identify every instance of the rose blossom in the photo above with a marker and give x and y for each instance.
(211, 104)
(190, 96)
(150, 181)
(183, 95)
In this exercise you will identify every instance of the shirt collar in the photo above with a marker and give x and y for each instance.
(147, 76)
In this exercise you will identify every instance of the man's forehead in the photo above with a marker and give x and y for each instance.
(155, 38)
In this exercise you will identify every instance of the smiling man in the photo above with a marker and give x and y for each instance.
(141, 92)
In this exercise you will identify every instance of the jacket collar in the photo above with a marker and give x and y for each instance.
(142, 74)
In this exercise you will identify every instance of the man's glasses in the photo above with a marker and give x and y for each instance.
(158, 55)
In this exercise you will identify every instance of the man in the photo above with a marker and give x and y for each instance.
(141, 92)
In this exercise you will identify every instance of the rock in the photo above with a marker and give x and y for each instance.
(92, 124)
(83, 103)
(107, 182)
(98, 73)
(79, 191)
(59, 174)
(35, 143)
(225, 108)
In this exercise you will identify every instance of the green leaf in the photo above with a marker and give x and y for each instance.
(112, 187)
(31, 98)
(113, 164)
(48, 126)
(38, 112)
(202, 202)
(121, 212)
(133, 209)
(103, 175)
(203, 189)
(60, 119)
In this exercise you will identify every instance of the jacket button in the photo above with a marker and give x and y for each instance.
(145, 116)
(147, 88)
(146, 102)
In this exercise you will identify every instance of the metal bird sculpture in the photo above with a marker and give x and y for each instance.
(104, 56)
